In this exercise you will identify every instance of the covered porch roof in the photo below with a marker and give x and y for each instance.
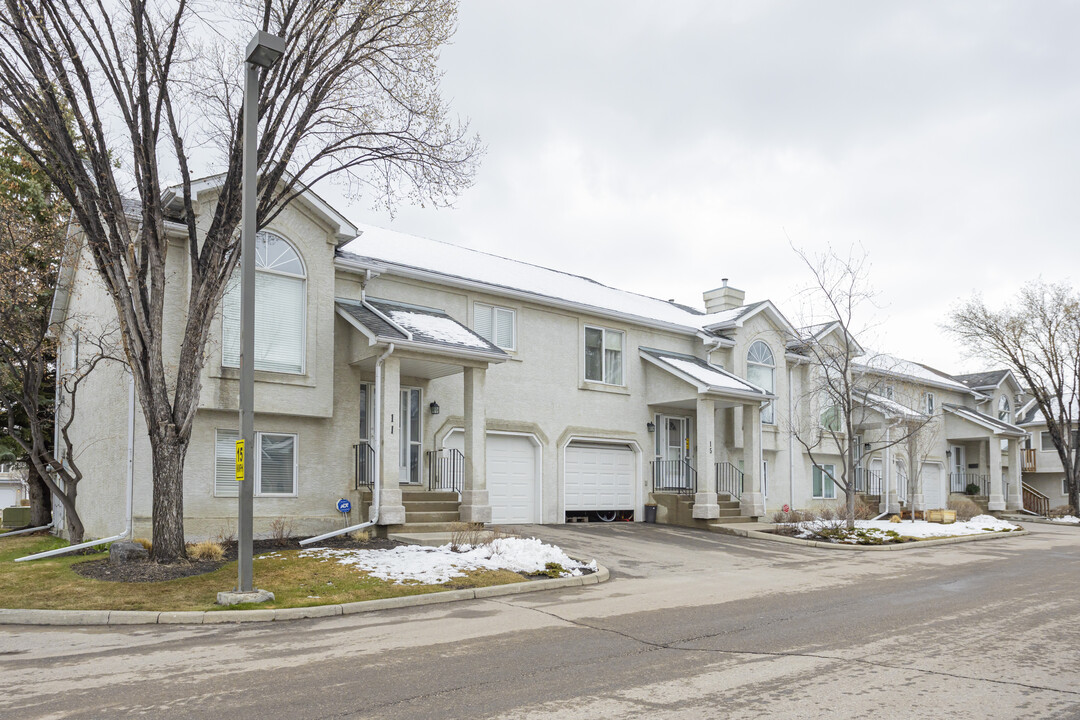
(707, 380)
(964, 423)
(429, 342)
(886, 408)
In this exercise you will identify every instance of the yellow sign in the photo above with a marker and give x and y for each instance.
(239, 461)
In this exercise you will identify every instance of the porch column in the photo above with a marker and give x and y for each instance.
(1014, 499)
(752, 501)
(391, 511)
(997, 495)
(475, 505)
(705, 507)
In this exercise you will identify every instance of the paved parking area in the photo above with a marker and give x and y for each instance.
(691, 625)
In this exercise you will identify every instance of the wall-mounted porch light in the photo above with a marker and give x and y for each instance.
(866, 448)
(434, 406)
(651, 427)
(948, 453)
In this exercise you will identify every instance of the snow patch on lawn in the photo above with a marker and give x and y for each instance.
(438, 565)
(1072, 519)
(978, 525)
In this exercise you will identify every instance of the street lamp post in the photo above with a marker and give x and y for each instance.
(262, 52)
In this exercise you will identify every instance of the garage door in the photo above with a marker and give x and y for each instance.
(599, 477)
(511, 477)
(8, 497)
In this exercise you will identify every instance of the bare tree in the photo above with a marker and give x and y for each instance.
(107, 97)
(839, 397)
(1037, 336)
(921, 440)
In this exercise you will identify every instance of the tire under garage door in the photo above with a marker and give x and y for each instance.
(511, 477)
(599, 477)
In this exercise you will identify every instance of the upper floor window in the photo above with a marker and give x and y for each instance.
(604, 355)
(929, 403)
(495, 324)
(888, 392)
(280, 309)
(761, 371)
(1003, 409)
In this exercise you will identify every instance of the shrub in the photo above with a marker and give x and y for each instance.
(206, 550)
(972, 489)
(465, 535)
(361, 535)
(145, 543)
(225, 535)
(965, 508)
(281, 530)
(553, 569)
(1061, 511)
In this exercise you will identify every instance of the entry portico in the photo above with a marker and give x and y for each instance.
(396, 340)
(677, 383)
(972, 434)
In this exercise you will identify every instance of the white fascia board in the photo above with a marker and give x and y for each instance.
(704, 388)
(684, 376)
(716, 341)
(442, 350)
(465, 284)
(867, 370)
(971, 416)
(391, 323)
(359, 326)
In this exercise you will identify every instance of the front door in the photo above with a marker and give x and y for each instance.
(675, 450)
(409, 440)
(959, 468)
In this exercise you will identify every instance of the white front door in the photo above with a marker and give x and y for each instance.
(959, 467)
(409, 440)
(673, 449)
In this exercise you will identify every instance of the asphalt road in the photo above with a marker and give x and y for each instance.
(691, 625)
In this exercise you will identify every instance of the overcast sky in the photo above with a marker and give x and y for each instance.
(658, 147)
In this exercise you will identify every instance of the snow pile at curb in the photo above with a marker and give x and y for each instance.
(1071, 519)
(435, 566)
(978, 525)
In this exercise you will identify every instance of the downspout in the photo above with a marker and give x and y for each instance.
(130, 490)
(791, 438)
(373, 511)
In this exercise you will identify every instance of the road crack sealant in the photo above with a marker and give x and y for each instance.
(764, 654)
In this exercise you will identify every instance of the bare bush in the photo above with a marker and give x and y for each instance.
(964, 507)
(466, 535)
(281, 530)
(206, 550)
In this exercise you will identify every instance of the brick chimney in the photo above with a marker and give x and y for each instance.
(723, 298)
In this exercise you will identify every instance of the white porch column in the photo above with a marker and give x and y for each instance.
(752, 501)
(1014, 499)
(391, 511)
(705, 507)
(997, 494)
(475, 505)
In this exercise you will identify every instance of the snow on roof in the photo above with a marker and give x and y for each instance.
(883, 363)
(434, 327)
(892, 407)
(408, 251)
(702, 372)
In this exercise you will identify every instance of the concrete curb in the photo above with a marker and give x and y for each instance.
(1039, 521)
(758, 535)
(204, 617)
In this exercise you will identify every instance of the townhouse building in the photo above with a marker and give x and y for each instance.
(427, 383)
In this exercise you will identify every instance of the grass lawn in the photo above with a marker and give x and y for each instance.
(295, 582)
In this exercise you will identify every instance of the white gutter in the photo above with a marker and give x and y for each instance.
(130, 489)
(373, 511)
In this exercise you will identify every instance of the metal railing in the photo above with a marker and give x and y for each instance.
(729, 479)
(1035, 501)
(364, 464)
(674, 476)
(1028, 459)
(958, 483)
(867, 482)
(446, 469)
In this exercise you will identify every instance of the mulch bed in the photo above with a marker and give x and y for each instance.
(151, 571)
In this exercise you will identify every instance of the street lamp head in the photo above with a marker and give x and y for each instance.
(264, 49)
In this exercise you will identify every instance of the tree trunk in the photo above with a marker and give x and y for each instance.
(168, 451)
(1072, 482)
(40, 498)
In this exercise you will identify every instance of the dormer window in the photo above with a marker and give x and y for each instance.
(1004, 411)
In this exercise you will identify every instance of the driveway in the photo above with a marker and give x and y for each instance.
(691, 625)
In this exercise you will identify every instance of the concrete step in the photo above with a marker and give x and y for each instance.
(730, 512)
(729, 504)
(729, 520)
(422, 527)
(432, 505)
(416, 495)
(430, 517)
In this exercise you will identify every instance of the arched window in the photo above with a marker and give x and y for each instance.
(1003, 409)
(280, 309)
(761, 371)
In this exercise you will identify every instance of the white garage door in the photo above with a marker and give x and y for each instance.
(511, 477)
(8, 497)
(935, 493)
(599, 477)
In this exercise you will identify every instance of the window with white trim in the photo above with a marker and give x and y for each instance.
(604, 355)
(761, 371)
(889, 392)
(824, 487)
(1046, 441)
(274, 467)
(496, 325)
(280, 309)
(1004, 413)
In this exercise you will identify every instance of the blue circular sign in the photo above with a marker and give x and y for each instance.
(344, 505)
